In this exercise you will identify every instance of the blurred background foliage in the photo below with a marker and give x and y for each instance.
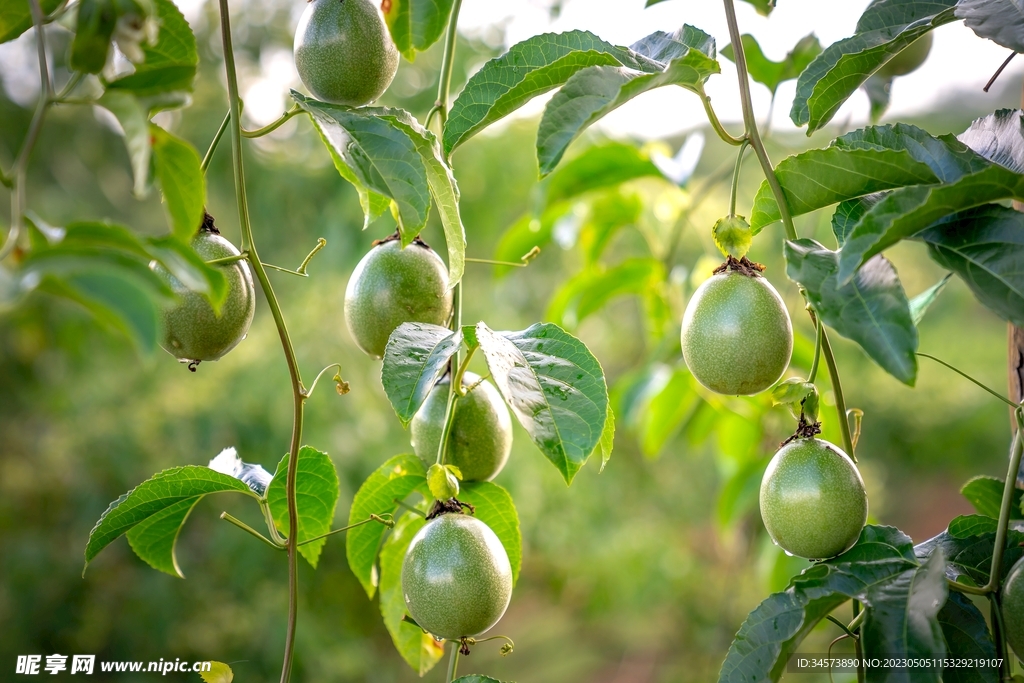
(641, 573)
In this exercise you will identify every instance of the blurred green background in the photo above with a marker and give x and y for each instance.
(639, 574)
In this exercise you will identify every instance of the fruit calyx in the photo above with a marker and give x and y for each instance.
(744, 266)
(396, 236)
(208, 226)
(452, 506)
(804, 430)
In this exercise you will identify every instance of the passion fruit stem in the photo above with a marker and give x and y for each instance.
(216, 141)
(736, 176)
(242, 256)
(273, 125)
(817, 350)
(1002, 66)
(248, 529)
(716, 124)
(453, 660)
(848, 630)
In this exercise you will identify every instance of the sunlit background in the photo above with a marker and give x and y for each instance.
(640, 574)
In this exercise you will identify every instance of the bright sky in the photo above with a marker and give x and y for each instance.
(959, 59)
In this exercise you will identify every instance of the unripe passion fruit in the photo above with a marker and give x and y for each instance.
(481, 436)
(456, 577)
(391, 286)
(736, 336)
(343, 51)
(192, 331)
(909, 59)
(813, 501)
(1013, 608)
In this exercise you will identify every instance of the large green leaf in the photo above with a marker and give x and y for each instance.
(902, 597)
(770, 73)
(443, 187)
(599, 167)
(920, 304)
(985, 247)
(416, 356)
(16, 17)
(418, 649)
(986, 495)
(94, 27)
(416, 24)
(999, 137)
(316, 496)
(863, 162)
(154, 539)
(884, 30)
(170, 64)
(383, 159)
(392, 481)
(872, 309)
(154, 496)
(1000, 22)
(969, 554)
(967, 639)
(593, 92)
(494, 507)
(134, 120)
(530, 68)
(554, 386)
(179, 171)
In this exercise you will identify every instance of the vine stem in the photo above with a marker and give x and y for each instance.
(750, 123)
(298, 394)
(817, 351)
(19, 173)
(736, 177)
(453, 661)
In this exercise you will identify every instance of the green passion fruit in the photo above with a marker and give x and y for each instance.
(456, 577)
(813, 501)
(481, 436)
(193, 332)
(1013, 608)
(737, 337)
(391, 286)
(343, 51)
(907, 60)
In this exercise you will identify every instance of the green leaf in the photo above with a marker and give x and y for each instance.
(170, 64)
(381, 156)
(416, 356)
(986, 495)
(607, 442)
(93, 31)
(153, 539)
(494, 507)
(884, 30)
(117, 300)
(599, 167)
(476, 678)
(920, 304)
(418, 649)
(872, 309)
(985, 247)
(554, 386)
(854, 165)
(1000, 22)
(316, 497)
(154, 496)
(134, 120)
(182, 183)
(415, 25)
(443, 187)
(593, 92)
(848, 213)
(732, 236)
(528, 69)
(902, 597)
(219, 673)
(967, 638)
(970, 557)
(16, 17)
(394, 480)
(966, 526)
(769, 73)
(590, 290)
(999, 137)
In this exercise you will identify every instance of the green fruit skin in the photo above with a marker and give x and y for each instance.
(909, 59)
(813, 501)
(192, 331)
(737, 337)
(1013, 608)
(391, 286)
(481, 436)
(456, 577)
(343, 51)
